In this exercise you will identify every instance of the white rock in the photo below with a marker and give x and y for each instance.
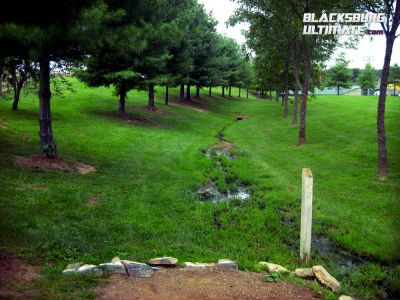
(226, 263)
(344, 297)
(114, 267)
(87, 269)
(115, 259)
(136, 269)
(304, 273)
(197, 265)
(273, 267)
(163, 261)
(326, 279)
(72, 268)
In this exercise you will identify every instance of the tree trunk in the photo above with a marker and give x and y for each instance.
(210, 91)
(188, 92)
(285, 101)
(383, 165)
(8, 87)
(277, 96)
(122, 97)
(1, 85)
(239, 91)
(182, 92)
(247, 93)
(295, 105)
(223, 91)
(270, 95)
(303, 109)
(230, 91)
(15, 88)
(47, 145)
(338, 90)
(197, 91)
(151, 105)
(166, 94)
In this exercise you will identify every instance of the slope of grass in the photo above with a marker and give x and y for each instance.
(149, 171)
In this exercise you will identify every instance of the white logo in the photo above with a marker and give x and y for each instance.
(330, 24)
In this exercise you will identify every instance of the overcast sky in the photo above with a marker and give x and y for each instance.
(374, 50)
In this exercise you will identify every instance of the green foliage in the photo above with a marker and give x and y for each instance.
(339, 75)
(274, 277)
(394, 75)
(367, 78)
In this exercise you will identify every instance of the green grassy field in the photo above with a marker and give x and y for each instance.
(149, 171)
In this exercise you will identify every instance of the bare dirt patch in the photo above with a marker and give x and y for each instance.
(223, 146)
(3, 124)
(242, 117)
(52, 164)
(31, 186)
(16, 277)
(181, 284)
(93, 202)
(25, 136)
(190, 105)
(136, 121)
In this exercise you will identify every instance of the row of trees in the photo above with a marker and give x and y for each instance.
(287, 59)
(128, 44)
(341, 76)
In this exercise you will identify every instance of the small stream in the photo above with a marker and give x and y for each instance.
(212, 191)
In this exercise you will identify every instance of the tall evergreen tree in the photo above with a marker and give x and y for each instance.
(50, 31)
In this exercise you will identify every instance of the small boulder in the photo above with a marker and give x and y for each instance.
(139, 270)
(274, 267)
(116, 259)
(226, 263)
(163, 261)
(344, 297)
(304, 273)
(72, 268)
(197, 266)
(114, 267)
(89, 269)
(326, 279)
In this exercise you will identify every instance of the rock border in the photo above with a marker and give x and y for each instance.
(142, 270)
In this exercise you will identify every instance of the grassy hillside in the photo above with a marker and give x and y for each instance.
(150, 168)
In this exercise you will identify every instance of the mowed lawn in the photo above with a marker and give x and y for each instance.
(149, 171)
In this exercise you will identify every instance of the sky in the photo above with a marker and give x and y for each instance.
(367, 50)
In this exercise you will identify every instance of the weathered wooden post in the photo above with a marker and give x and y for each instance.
(306, 214)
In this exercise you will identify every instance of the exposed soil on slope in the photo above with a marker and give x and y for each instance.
(181, 284)
(16, 277)
(52, 164)
(191, 105)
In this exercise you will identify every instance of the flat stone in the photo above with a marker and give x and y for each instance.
(274, 267)
(88, 269)
(344, 297)
(72, 268)
(116, 259)
(197, 265)
(304, 273)
(226, 263)
(163, 261)
(114, 267)
(326, 279)
(139, 270)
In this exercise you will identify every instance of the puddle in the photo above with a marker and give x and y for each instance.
(212, 191)
(324, 247)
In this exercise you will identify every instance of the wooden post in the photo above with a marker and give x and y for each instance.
(306, 215)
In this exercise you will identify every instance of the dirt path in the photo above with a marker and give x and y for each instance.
(180, 284)
(15, 277)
